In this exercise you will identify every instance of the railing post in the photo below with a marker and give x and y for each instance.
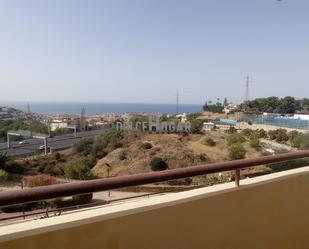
(237, 177)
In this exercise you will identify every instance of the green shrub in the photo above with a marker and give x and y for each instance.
(289, 164)
(247, 132)
(255, 143)
(235, 138)
(196, 126)
(280, 135)
(82, 199)
(3, 175)
(57, 155)
(203, 157)
(158, 164)
(15, 167)
(300, 141)
(146, 146)
(55, 170)
(101, 145)
(213, 179)
(89, 160)
(210, 142)
(83, 146)
(77, 170)
(231, 130)
(237, 151)
(39, 180)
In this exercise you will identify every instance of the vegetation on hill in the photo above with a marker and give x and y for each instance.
(5, 126)
(276, 105)
(215, 108)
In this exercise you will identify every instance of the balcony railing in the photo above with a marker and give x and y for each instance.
(8, 198)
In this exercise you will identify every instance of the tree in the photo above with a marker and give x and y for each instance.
(225, 102)
(196, 126)
(237, 151)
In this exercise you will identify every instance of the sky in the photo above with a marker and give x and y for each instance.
(147, 50)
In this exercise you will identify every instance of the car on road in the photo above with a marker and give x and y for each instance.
(23, 142)
(42, 147)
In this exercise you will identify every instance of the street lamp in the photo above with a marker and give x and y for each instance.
(109, 167)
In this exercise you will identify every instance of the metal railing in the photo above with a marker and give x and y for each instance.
(8, 198)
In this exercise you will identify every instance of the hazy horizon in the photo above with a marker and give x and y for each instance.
(145, 51)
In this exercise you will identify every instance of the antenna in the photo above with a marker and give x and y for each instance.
(177, 102)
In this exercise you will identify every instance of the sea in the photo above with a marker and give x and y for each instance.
(98, 108)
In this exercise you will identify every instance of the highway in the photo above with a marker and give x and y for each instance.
(56, 143)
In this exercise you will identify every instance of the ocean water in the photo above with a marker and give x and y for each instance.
(97, 108)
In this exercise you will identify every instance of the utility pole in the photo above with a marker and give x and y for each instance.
(82, 120)
(177, 102)
(247, 88)
(246, 92)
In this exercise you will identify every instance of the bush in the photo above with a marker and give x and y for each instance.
(100, 146)
(300, 141)
(158, 164)
(77, 170)
(57, 155)
(89, 160)
(3, 175)
(231, 130)
(237, 151)
(210, 142)
(39, 180)
(54, 170)
(83, 146)
(15, 167)
(247, 132)
(280, 135)
(255, 143)
(235, 138)
(203, 157)
(146, 146)
(196, 126)
(289, 164)
(213, 179)
(82, 199)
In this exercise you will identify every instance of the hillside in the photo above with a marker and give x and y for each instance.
(175, 150)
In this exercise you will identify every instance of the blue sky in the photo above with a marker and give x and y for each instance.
(144, 51)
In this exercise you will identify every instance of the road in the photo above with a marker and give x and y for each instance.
(56, 143)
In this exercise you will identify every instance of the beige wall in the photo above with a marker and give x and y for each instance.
(261, 215)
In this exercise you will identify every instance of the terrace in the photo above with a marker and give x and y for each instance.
(268, 211)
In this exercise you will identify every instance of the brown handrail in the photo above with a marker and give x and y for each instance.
(62, 190)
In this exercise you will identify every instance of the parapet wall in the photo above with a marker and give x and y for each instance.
(265, 212)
